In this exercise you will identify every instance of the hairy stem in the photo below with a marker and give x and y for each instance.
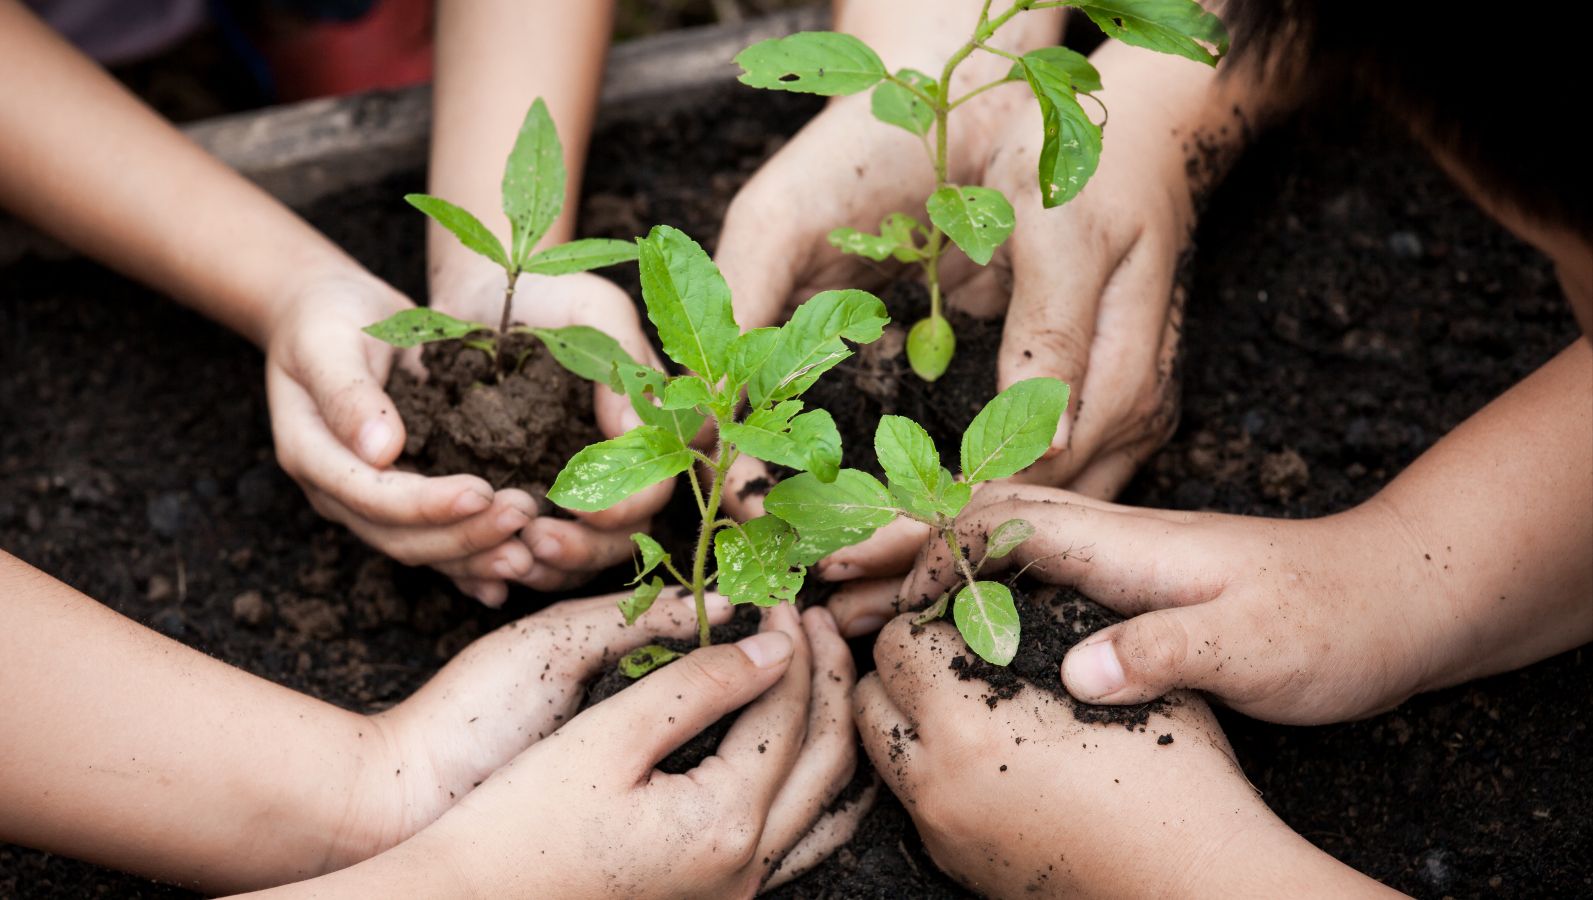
(948, 533)
(508, 302)
(710, 523)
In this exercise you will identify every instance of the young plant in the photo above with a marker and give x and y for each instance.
(1009, 434)
(749, 386)
(533, 196)
(976, 219)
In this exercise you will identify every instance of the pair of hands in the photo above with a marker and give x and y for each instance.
(581, 810)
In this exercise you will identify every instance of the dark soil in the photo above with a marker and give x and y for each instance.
(514, 419)
(1051, 620)
(1348, 307)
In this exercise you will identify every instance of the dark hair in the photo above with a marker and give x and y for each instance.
(1500, 90)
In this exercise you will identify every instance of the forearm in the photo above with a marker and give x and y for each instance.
(87, 162)
(130, 750)
(1494, 526)
(494, 57)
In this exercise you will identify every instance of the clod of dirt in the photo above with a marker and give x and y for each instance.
(514, 421)
(249, 608)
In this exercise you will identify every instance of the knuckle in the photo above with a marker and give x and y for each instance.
(713, 676)
(1154, 646)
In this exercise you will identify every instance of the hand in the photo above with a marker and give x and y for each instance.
(337, 434)
(1022, 799)
(1303, 622)
(564, 553)
(584, 813)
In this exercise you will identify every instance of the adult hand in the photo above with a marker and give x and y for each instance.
(337, 434)
(1022, 799)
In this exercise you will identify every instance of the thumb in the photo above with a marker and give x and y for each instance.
(758, 255)
(349, 394)
(1147, 656)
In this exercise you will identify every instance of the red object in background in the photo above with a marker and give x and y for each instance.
(388, 47)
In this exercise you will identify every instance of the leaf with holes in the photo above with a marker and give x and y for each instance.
(894, 104)
(1013, 429)
(642, 660)
(653, 553)
(752, 560)
(639, 601)
(587, 352)
(811, 62)
(642, 385)
(413, 327)
(1179, 27)
(605, 473)
(988, 621)
(977, 219)
(464, 226)
(1071, 151)
(1082, 77)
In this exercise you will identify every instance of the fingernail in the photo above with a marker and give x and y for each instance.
(547, 547)
(375, 435)
(505, 569)
(766, 648)
(864, 625)
(512, 520)
(471, 502)
(1092, 671)
(821, 618)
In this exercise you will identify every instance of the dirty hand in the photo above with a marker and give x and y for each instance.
(1023, 799)
(337, 434)
(561, 553)
(585, 813)
(1288, 621)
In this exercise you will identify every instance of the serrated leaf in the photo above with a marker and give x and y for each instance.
(820, 441)
(1082, 77)
(748, 353)
(642, 660)
(533, 181)
(902, 229)
(988, 621)
(894, 104)
(1007, 536)
(1167, 26)
(464, 226)
(686, 392)
(688, 301)
(810, 344)
(413, 327)
(640, 600)
(653, 553)
(1013, 429)
(587, 352)
(581, 256)
(808, 442)
(930, 346)
(1071, 151)
(641, 385)
(752, 561)
(977, 219)
(837, 514)
(605, 473)
(811, 62)
(907, 454)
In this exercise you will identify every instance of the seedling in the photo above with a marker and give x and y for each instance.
(533, 196)
(976, 219)
(749, 386)
(1009, 434)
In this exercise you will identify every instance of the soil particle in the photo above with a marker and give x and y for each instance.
(250, 608)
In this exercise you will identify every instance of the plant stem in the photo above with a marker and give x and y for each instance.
(710, 524)
(948, 534)
(508, 302)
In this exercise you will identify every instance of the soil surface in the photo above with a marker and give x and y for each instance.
(1347, 307)
(514, 419)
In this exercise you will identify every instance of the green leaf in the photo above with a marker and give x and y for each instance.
(686, 392)
(587, 352)
(640, 600)
(642, 384)
(894, 104)
(1006, 537)
(1082, 77)
(833, 515)
(815, 433)
(748, 353)
(653, 553)
(988, 621)
(752, 562)
(413, 327)
(605, 473)
(900, 227)
(642, 660)
(1013, 429)
(533, 181)
(464, 226)
(1167, 26)
(810, 343)
(581, 256)
(861, 243)
(808, 442)
(811, 62)
(688, 301)
(907, 454)
(1072, 147)
(930, 346)
(978, 219)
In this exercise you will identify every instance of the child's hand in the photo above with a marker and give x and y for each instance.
(584, 812)
(565, 553)
(337, 434)
(1024, 800)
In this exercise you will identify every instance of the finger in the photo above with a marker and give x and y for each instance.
(317, 460)
(632, 513)
(888, 551)
(746, 484)
(914, 662)
(420, 546)
(864, 606)
(344, 376)
(509, 561)
(669, 707)
(828, 756)
(1106, 476)
(830, 833)
(761, 249)
(887, 736)
(1151, 654)
(587, 634)
(576, 546)
(762, 746)
(490, 594)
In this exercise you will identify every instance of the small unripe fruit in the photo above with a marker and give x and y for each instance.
(930, 345)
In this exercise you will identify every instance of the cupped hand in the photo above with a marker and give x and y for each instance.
(1301, 622)
(1022, 799)
(337, 434)
(585, 813)
(564, 553)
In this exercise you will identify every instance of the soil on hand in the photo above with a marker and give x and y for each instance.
(515, 420)
(1051, 620)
